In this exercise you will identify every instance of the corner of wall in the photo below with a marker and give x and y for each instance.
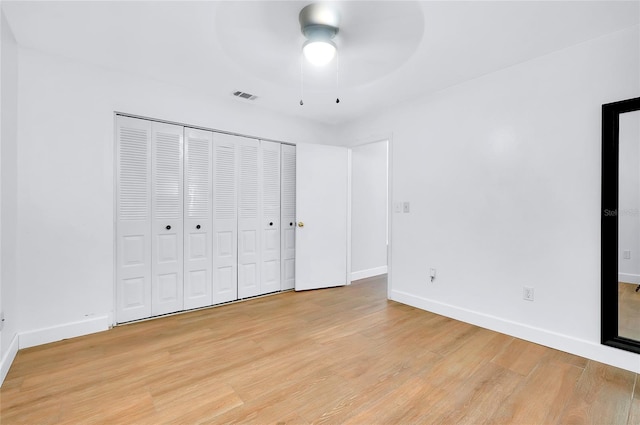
(8, 357)
(8, 193)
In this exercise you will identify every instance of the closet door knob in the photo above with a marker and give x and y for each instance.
(271, 223)
(198, 227)
(168, 227)
(300, 224)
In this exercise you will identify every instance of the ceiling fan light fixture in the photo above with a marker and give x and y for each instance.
(319, 24)
(319, 52)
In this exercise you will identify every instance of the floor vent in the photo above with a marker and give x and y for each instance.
(244, 95)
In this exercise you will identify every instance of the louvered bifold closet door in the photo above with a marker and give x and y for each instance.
(133, 219)
(198, 257)
(167, 216)
(249, 218)
(288, 214)
(225, 218)
(270, 237)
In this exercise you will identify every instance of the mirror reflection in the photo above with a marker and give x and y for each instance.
(629, 226)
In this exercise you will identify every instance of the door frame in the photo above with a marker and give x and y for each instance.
(349, 198)
(380, 137)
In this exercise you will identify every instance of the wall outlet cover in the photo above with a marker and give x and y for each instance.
(527, 293)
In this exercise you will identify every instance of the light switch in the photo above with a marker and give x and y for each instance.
(405, 207)
(397, 207)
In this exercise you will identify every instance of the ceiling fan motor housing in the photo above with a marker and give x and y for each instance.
(319, 22)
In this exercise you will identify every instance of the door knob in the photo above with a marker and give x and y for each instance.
(300, 224)
(198, 227)
(168, 227)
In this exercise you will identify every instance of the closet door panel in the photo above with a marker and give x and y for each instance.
(167, 218)
(198, 200)
(270, 194)
(288, 214)
(225, 222)
(249, 218)
(133, 228)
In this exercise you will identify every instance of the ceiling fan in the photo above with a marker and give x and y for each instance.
(319, 24)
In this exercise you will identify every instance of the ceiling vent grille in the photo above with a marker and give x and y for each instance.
(244, 95)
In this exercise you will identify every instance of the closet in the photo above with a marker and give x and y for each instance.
(202, 218)
(198, 218)
(225, 219)
(288, 216)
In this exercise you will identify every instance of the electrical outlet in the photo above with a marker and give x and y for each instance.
(1, 320)
(627, 255)
(527, 293)
(432, 274)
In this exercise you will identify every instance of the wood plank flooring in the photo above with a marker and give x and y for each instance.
(332, 356)
(628, 310)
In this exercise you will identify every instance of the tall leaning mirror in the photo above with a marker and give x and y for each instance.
(621, 224)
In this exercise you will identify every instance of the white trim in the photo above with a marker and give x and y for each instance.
(389, 214)
(65, 331)
(363, 274)
(7, 359)
(629, 278)
(115, 189)
(197, 127)
(349, 175)
(580, 347)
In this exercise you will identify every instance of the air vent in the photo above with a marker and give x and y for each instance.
(244, 95)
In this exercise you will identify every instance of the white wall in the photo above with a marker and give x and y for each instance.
(503, 176)
(65, 175)
(629, 198)
(8, 197)
(369, 210)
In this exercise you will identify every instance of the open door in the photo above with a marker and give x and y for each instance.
(322, 199)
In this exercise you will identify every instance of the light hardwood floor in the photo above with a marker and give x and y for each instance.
(628, 310)
(333, 356)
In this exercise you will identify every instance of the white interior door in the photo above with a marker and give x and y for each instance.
(288, 220)
(198, 260)
(225, 233)
(133, 238)
(167, 219)
(322, 198)
(270, 253)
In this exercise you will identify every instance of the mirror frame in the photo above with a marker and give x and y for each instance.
(609, 224)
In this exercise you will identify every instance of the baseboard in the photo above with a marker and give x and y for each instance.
(583, 348)
(65, 331)
(363, 274)
(629, 278)
(7, 359)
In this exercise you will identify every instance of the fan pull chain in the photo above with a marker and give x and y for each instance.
(301, 80)
(337, 71)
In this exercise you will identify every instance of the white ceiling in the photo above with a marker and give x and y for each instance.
(389, 51)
